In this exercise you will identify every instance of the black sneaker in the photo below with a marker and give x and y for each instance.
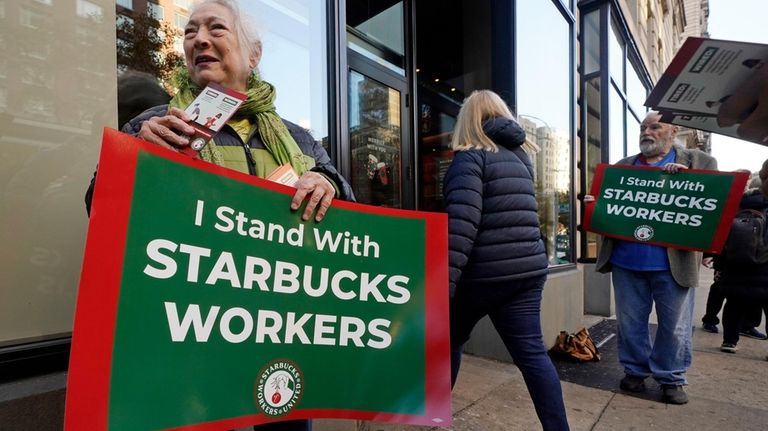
(710, 328)
(728, 348)
(673, 394)
(632, 383)
(753, 333)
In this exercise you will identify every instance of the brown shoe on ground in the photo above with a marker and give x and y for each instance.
(632, 383)
(673, 394)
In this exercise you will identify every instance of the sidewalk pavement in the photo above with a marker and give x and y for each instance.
(727, 391)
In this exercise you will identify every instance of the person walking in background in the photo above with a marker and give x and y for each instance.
(745, 283)
(716, 295)
(497, 261)
(644, 274)
(751, 312)
(715, 298)
(763, 175)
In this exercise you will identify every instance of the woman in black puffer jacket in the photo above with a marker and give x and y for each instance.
(498, 264)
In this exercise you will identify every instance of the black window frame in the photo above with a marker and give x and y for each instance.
(611, 17)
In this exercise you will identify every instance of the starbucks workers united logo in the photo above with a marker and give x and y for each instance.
(643, 232)
(279, 387)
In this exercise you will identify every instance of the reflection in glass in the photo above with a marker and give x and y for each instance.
(375, 139)
(90, 9)
(382, 24)
(180, 20)
(155, 11)
(593, 153)
(294, 59)
(57, 92)
(450, 65)
(633, 133)
(544, 103)
(435, 131)
(636, 92)
(616, 56)
(616, 129)
(591, 32)
(376, 30)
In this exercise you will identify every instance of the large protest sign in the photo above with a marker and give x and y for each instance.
(206, 304)
(692, 209)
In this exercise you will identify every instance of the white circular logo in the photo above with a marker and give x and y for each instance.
(198, 144)
(644, 232)
(279, 387)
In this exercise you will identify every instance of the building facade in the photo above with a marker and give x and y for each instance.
(379, 82)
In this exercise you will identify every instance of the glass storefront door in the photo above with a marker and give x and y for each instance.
(376, 118)
(379, 124)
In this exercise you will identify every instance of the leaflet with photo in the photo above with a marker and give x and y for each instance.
(210, 110)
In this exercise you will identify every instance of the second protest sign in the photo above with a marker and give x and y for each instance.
(690, 210)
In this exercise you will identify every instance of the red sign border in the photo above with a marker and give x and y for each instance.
(723, 227)
(88, 381)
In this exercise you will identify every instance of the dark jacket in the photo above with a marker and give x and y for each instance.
(745, 280)
(136, 92)
(493, 225)
(227, 137)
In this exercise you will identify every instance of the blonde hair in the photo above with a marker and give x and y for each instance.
(479, 107)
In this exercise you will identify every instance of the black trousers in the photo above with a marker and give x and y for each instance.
(750, 310)
(736, 319)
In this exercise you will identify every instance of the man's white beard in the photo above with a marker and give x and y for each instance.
(651, 149)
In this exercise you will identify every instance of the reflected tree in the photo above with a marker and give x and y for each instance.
(147, 45)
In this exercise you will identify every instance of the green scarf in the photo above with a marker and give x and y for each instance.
(259, 109)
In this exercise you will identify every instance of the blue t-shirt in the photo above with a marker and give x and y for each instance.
(639, 256)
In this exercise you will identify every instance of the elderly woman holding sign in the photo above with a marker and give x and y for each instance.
(222, 48)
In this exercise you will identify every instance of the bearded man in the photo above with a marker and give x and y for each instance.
(644, 274)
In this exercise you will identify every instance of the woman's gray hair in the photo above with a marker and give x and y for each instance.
(247, 35)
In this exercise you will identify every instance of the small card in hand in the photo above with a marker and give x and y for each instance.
(284, 175)
(210, 110)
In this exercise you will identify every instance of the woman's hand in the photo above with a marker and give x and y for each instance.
(163, 130)
(319, 189)
(673, 168)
